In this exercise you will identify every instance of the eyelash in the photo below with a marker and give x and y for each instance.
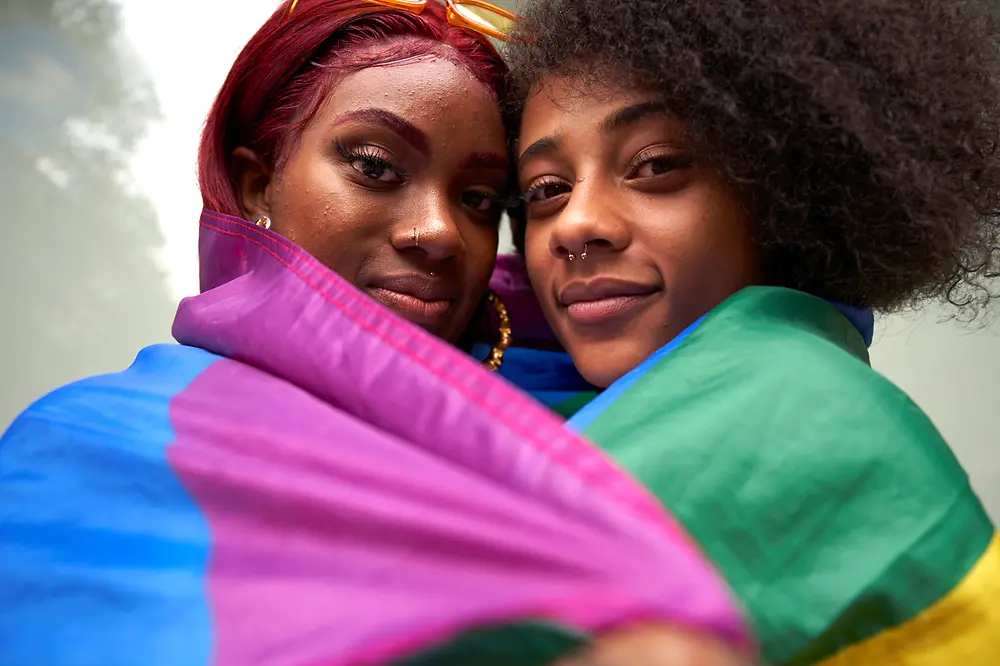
(672, 162)
(541, 185)
(371, 157)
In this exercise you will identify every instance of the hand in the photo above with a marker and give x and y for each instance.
(657, 645)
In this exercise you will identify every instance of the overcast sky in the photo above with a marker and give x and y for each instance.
(187, 47)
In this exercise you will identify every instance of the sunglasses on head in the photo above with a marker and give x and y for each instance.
(476, 15)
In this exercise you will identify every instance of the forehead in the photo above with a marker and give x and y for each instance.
(431, 92)
(555, 98)
(581, 110)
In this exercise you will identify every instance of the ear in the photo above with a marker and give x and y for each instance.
(253, 183)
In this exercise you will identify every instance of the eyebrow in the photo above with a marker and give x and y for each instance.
(616, 121)
(630, 115)
(485, 161)
(545, 146)
(402, 128)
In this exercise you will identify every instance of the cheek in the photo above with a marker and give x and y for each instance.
(299, 191)
(481, 245)
(312, 208)
(705, 249)
(729, 241)
(312, 197)
(536, 255)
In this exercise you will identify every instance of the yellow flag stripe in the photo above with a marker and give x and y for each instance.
(962, 629)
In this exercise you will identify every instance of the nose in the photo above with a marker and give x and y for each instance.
(591, 223)
(434, 230)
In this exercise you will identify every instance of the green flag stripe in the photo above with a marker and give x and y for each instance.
(951, 549)
(571, 406)
(824, 495)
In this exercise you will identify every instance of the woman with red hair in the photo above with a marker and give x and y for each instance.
(336, 129)
(320, 473)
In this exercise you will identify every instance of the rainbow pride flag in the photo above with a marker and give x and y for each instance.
(307, 479)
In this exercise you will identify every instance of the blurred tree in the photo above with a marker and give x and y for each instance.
(81, 288)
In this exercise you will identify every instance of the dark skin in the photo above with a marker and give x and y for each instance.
(396, 184)
(610, 174)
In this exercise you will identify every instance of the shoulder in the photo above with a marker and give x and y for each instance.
(781, 380)
(798, 365)
(89, 492)
(781, 327)
(815, 484)
(105, 410)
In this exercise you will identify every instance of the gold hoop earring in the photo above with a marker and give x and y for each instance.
(495, 358)
(263, 221)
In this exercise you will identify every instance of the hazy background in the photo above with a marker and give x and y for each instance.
(101, 104)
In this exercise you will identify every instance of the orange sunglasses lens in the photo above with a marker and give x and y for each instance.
(483, 17)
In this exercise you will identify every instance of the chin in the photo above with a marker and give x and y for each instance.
(602, 364)
(447, 333)
(601, 377)
(461, 327)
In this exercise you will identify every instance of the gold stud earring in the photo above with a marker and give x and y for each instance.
(263, 221)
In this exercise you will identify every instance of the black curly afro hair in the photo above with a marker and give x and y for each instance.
(862, 134)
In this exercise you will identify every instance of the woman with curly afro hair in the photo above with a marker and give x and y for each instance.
(717, 196)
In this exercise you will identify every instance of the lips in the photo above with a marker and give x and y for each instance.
(604, 299)
(417, 298)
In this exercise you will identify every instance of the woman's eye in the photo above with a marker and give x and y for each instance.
(376, 169)
(652, 167)
(480, 201)
(373, 162)
(545, 191)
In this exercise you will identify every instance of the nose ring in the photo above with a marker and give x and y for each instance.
(416, 237)
(583, 255)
